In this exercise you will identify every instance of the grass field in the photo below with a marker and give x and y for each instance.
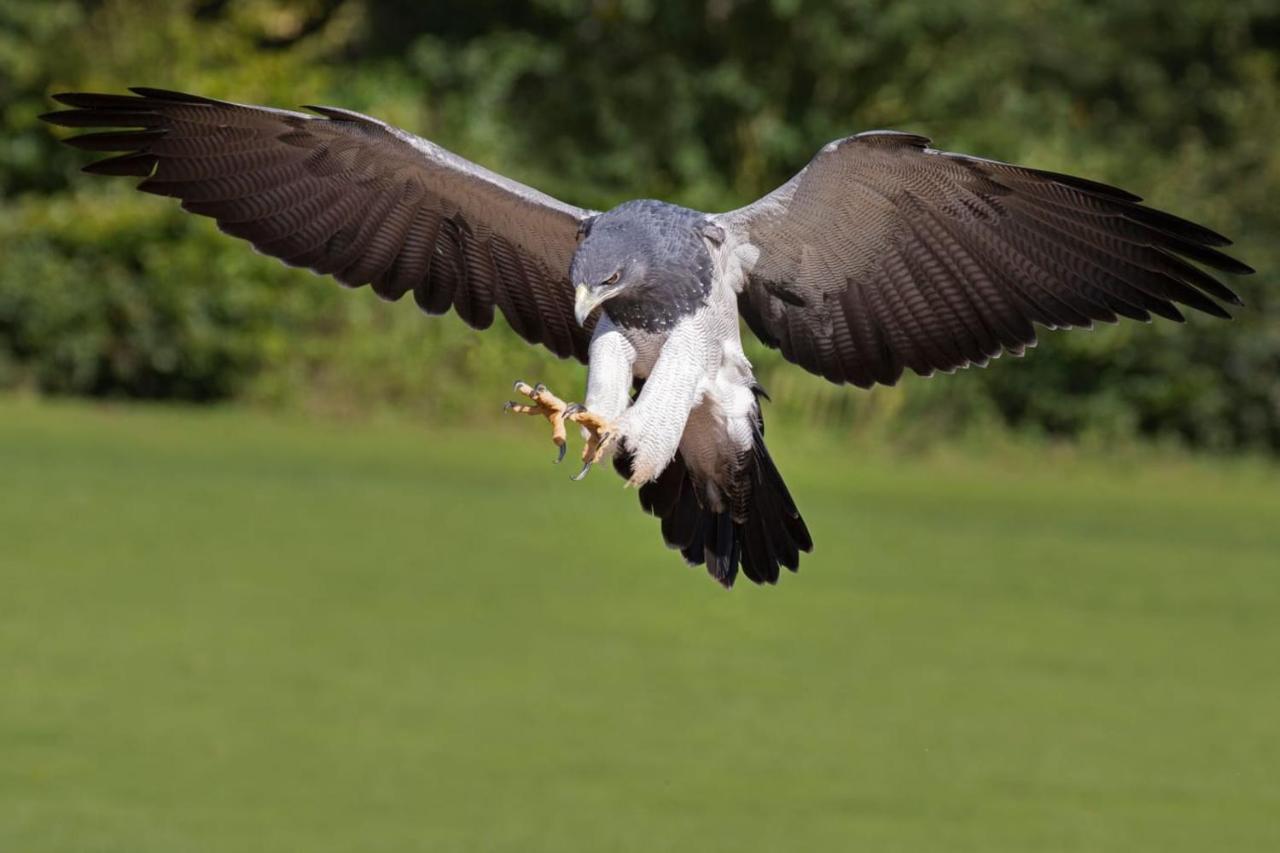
(223, 631)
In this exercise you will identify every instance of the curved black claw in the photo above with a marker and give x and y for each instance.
(573, 409)
(577, 478)
(560, 457)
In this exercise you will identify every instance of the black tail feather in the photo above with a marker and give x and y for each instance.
(767, 534)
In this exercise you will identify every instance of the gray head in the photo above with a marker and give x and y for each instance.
(648, 260)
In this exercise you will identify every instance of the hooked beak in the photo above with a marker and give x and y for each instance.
(584, 302)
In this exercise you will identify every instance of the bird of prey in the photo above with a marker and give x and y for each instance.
(881, 254)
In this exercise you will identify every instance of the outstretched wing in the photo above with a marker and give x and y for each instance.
(883, 253)
(344, 194)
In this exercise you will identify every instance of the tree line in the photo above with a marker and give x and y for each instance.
(708, 103)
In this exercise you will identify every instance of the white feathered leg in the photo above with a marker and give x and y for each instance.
(608, 393)
(652, 428)
(609, 374)
(609, 371)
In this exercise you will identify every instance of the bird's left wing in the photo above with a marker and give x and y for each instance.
(884, 253)
(344, 194)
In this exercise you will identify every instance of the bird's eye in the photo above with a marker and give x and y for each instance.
(613, 279)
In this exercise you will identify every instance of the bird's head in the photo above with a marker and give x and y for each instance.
(649, 260)
(608, 263)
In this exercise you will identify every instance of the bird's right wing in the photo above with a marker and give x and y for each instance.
(884, 253)
(344, 194)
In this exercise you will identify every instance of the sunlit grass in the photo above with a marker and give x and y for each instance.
(227, 631)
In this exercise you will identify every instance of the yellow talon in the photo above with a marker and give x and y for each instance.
(546, 404)
(600, 433)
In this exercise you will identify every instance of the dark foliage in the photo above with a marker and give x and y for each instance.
(707, 104)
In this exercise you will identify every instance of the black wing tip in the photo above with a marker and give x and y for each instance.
(1238, 267)
(76, 99)
(1171, 313)
(1090, 186)
(153, 93)
(73, 99)
(140, 116)
(136, 165)
(99, 100)
(125, 140)
(141, 97)
(60, 118)
(1215, 259)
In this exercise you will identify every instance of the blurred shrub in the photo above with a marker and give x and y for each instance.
(108, 293)
(102, 293)
(707, 103)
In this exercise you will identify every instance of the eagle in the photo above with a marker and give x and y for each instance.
(882, 254)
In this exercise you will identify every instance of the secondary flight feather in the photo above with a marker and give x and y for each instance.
(882, 254)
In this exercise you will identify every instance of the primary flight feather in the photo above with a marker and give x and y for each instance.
(882, 254)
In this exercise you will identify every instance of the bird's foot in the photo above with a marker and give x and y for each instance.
(601, 434)
(546, 404)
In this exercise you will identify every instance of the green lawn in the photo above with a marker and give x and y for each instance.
(224, 631)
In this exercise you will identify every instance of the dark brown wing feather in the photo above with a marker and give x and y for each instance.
(349, 196)
(884, 254)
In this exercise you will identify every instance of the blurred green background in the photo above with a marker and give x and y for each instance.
(274, 575)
